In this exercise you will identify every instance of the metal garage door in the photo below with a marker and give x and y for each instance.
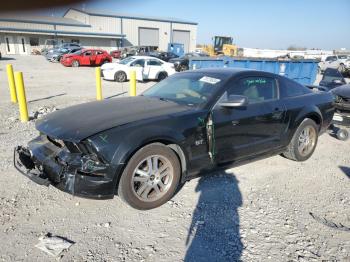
(182, 37)
(149, 36)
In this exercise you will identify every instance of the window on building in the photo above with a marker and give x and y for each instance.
(34, 41)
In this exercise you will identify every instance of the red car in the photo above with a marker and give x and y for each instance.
(116, 53)
(88, 57)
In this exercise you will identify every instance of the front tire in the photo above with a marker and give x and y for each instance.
(120, 76)
(150, 178)
(304, 141)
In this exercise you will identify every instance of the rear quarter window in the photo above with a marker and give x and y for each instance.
(290, 88)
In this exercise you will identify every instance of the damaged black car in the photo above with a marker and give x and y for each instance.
(143, 148)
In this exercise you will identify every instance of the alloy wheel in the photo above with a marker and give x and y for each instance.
(307, 140)
(152, 178)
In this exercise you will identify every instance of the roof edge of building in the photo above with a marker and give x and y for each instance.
(42, 22)
(131, 17)
(59, 32)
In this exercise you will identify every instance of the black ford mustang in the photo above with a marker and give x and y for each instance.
(143, 147)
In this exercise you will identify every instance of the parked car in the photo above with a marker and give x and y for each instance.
(332, 78)
(142, 148)
(136, 50)
(334, 61)
(86, 57)
(165, 56)
(146, 67)
(57, 54)
(116, 54)
(67, 45)
(341, 119)
(182, 63)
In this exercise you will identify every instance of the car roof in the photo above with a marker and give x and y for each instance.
(144, 57)
(226, 72)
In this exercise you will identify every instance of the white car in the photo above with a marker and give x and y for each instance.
(146, 67)
(334, 61)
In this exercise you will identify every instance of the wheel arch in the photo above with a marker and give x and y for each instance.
(313, 113)
(166, 141)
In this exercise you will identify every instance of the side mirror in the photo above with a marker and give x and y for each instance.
(234, 101)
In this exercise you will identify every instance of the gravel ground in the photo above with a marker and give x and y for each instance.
(270, 210)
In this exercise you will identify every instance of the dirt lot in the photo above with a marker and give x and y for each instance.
(258, 212)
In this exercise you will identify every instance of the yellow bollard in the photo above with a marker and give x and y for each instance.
(22, 100)
(98, 84)
(12, 85)
(132, 83)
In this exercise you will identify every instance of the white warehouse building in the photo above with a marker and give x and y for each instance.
(21, 34)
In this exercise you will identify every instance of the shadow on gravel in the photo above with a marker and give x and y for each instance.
(46, 98)
(7, 58)
(214, 232)
(346, 170)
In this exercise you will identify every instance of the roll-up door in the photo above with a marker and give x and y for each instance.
(148, 36)
(182, 37)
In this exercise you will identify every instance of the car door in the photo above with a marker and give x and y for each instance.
(255, 128)
(152, 68)
(85, 57)
(138, 65)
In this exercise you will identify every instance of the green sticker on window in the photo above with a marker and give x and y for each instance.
(255, 81)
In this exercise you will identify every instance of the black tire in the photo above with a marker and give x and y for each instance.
(342, 134)
(120, 76)
(293, 152)
(126, 187)
(75, 63)
(162, 76)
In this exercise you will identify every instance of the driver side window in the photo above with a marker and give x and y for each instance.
(87, 53)
(256, 88)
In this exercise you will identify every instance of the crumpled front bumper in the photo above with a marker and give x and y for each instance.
(47, 164)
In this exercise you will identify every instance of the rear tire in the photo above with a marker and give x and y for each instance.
(120, 76)
(304, 141)
(75, 63)
(150, 178)
(162, 76)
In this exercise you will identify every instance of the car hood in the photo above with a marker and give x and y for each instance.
(343, 91)
(81, 121)
(108, 66)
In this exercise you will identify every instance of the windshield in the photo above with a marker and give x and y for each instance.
(126, 60)
(77, 52)
(331, 74)
(342, 56)
(192, 89)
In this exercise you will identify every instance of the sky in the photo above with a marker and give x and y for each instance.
(275, 24)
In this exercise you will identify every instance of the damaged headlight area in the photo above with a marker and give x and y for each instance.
(74, 168)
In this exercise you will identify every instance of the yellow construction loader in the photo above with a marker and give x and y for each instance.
(222, 45)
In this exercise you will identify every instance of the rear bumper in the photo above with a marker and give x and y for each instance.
(46, 164)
